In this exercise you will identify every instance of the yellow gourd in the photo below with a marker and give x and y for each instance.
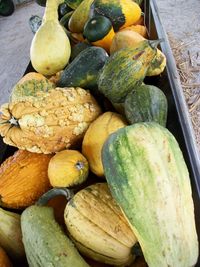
(96, 135)
(67, 168)
(50, 48)
(141, 29)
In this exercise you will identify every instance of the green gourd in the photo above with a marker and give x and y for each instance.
(146, 103)
(149, 180)
(45, 242)
(126, 69)
(50, 48)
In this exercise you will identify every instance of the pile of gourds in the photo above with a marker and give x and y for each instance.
(96, 179)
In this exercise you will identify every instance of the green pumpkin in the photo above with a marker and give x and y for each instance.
(149, 180)
(146, 103)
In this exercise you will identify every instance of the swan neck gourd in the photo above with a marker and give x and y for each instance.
(50, 48)
(51, 10)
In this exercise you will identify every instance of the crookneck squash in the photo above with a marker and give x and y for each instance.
(125, 69)
(149, 180)
(146, 103)
(96, 135)
(121, 13)
(48, 122)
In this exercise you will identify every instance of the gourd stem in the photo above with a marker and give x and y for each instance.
(155, 43)
(59, 191)
(51, 10)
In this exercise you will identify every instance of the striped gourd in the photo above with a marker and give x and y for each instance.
(148, 178)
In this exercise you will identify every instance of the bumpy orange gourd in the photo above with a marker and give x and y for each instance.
(48, 121)
(67, 168)
(23, 179)
(4, 260)
(95, 137)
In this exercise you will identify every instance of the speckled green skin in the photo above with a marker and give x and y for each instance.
(83, 70)
(147, 175)
(45, 243)
(146, 103)
(124, 70)
(30, 88)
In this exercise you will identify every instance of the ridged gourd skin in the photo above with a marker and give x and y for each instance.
(4, 260)
(148, 178)
(10, 234)
(23, 179)
(50, 48)
(98, 227)
(146, 103)
(121, 13)
(84, 69)
(124, 70)
(96, 135)
(44, 241)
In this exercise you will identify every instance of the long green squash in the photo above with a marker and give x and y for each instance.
(148, 178)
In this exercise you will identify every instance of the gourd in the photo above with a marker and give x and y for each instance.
(125, 69)
(80, 16)
(146, 103)
(65, 20)
(96, 224)
(4, 260)
(149, 180)
(50, 48)
(129, 38)
(23, 179)
(92, 217)
(63, 9)
(99, 31)
(78, 48)
(96, 135)
(73, 3)
(121, 13)
(29, 85)
(11, 235)
(44, 241)
(48, 122)
(141, 29)
(83, 71)
(67, 168)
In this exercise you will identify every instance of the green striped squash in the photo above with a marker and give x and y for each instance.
(148, 178)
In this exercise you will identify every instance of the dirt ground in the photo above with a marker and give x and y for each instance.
(180, 18)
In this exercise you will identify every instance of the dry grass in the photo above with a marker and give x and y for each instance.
(188, 65)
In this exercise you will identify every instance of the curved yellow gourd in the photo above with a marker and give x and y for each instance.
(50, 48)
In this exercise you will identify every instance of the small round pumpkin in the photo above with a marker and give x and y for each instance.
(99, 31)
(95, 137)
(67, 168)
